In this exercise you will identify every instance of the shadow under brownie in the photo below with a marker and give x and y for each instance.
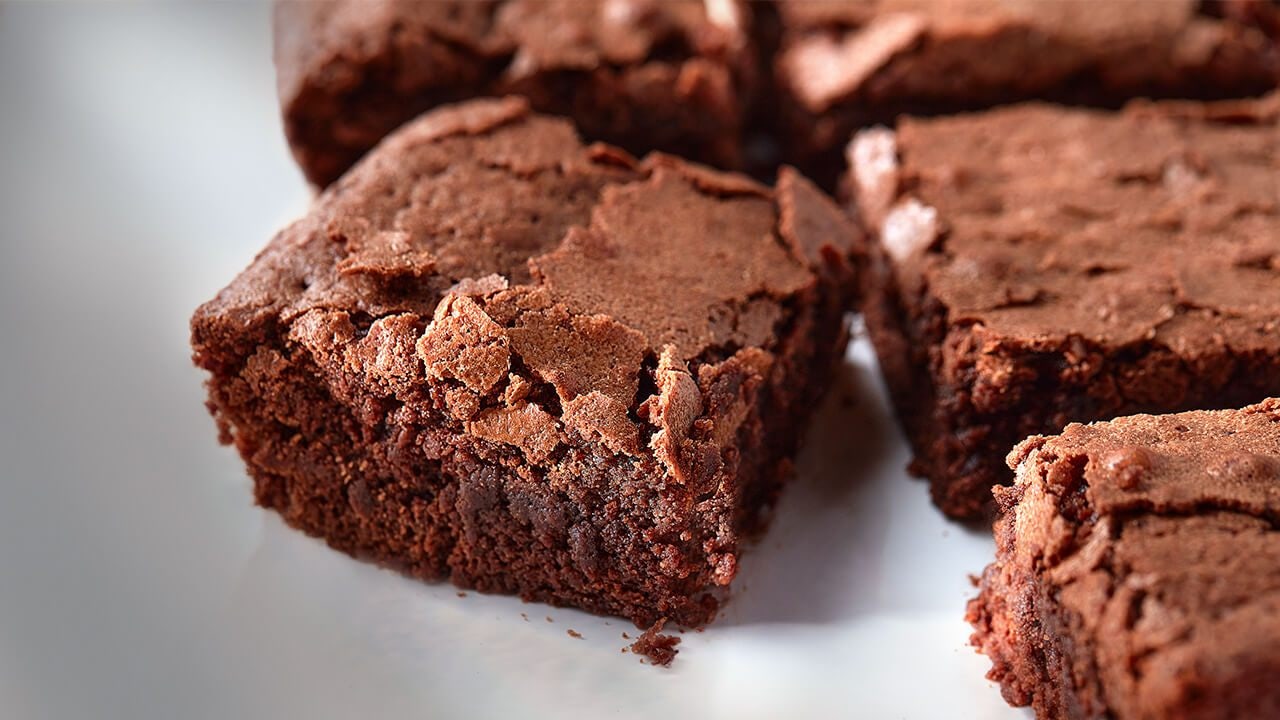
(494, 355)
(1037, 265)
(675, 76)
(1138, 569)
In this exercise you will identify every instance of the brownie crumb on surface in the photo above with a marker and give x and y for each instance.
(573, 634)
(1137, 572)
(658, 648)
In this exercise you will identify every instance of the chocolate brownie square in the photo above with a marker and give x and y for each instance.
(1036, 265)
(1138, 569)
(845, 64)
(673, 75)
(494, 355)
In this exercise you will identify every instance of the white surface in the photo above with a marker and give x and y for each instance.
(141, 166)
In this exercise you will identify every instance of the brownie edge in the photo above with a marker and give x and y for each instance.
(1137, 570)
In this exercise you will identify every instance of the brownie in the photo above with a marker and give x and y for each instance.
(845, 64)
(1036, 265)
(672, 75)
(1137, 572)
(495, 355)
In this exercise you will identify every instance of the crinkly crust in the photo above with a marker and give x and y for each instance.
(1138, 569)
(599, 262)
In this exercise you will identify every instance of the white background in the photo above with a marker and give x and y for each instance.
(141, 167)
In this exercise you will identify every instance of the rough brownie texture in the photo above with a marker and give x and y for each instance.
(495, 355)
(1138, 569)
(1036, 265)
(673, 75)
(659, 649)
(845, 64)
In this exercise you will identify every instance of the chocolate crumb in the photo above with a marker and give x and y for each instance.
(658, 648)
(574, 634)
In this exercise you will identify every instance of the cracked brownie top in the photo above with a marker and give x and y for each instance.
(542, 286)
(1039, 223)
(1158, 535)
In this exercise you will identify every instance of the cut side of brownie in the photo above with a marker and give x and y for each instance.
(674, 76)
(494, 355)
(846, 64)
(1036, 265)
(1138, 569)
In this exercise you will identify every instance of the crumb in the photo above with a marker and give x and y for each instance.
(974, 579)
(461, 594)
(658, 648)
(574, 634)
(626, 636)
(526, 617)
(549, 619)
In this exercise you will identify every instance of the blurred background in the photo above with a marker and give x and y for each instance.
(141, 166)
